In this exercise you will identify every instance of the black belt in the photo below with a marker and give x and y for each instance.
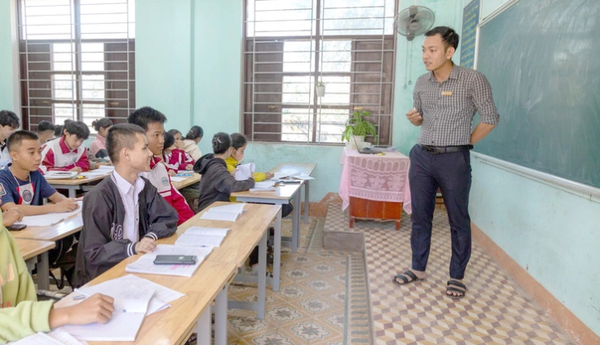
(446, 149)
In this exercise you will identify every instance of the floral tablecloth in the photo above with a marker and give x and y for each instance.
(373, 177)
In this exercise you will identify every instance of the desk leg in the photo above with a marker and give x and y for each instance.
(72, 193)
(43, 276)
(306, 200)
(277, 252)
(262, 276)
(221, 317)
(295, 223)
(203, 328)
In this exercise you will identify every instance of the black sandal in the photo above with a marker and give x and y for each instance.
(408, 273)
(456, 287)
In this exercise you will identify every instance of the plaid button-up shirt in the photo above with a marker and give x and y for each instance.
(448, 108)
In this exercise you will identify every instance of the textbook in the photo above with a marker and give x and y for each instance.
(227, 213)
(131, 305)
(145, 264)
(244, 171)
(196, 236)
(51, 218)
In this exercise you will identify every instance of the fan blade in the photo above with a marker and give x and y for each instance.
(413, 10)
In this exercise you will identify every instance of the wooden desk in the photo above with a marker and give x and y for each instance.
(187, 182)
(51, 233)
(248, 231)
(303, 168)
(73, 185)
(174, 325)
(30, 249)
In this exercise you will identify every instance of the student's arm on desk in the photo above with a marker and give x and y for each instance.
(60, 204)
(228, 184)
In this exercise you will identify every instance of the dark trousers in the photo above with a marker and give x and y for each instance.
(451, 172)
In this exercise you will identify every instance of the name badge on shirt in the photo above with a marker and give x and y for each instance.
(446, 93)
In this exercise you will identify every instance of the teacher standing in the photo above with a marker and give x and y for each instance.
(445, 101)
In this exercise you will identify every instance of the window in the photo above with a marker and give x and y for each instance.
(290, 45)
(76, 60)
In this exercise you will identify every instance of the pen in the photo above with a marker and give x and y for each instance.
(82, 294)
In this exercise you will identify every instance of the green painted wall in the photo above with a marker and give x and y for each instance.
(7, 25)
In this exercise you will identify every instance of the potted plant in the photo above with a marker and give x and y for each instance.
(320, 89)
(357, 128)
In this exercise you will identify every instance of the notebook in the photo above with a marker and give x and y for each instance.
(244, 171)
(131, 304)
(226, 213)
(51, 218)
(145, 264)
(264, 186)
(56, 337)
(196, 236)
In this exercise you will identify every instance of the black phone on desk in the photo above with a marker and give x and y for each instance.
(175, 260)
(16, 227)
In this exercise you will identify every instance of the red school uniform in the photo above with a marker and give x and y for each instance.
(56, 155)
(177, 160)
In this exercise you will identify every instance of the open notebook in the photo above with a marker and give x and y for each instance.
(227, 213)
(51, 218)
(197, 236)
(56, 337)
(145, 264)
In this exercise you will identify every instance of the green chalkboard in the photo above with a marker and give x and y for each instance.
(542, 58)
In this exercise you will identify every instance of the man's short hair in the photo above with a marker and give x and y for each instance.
(14, 140)
(145, 115)
(9, 118)
(45, 126)
(122, 136)
(449, 36)
(80, 129)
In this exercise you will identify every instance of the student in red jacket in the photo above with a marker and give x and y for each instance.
(174, 158)
(67, 152)
(152, 121)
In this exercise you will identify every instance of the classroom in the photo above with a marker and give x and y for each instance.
(288, 76)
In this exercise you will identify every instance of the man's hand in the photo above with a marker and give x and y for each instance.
(269, 175)
(66, 205)
(97, 308)
(189, 167)
(145, 245)
(11, 216)
(78, 169)
(414, 117)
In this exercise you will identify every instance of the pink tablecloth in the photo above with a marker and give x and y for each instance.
(373, 177)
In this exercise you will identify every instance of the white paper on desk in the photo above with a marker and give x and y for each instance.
(162, 295)
(145, 264)
(178, 178)
(244, 171)
(190, 240)
(263, 186)
(56, 337)
(223, 216)
(304, 177)
(121, 327)
(198, 230)
(51, 218)
(94, 173)
(284, 174)
(236, 208)
(108, 168)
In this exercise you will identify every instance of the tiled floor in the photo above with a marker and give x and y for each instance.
(494, 311)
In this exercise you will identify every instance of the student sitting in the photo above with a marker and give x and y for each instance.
(45, 131)
(152, 121)
(9, 122)
(217, 183)
(190, 144)
(22, 315)
(22, 186)
(123, 215)
(238, 142)
(174, 158)
(98, 146)
(67, 153)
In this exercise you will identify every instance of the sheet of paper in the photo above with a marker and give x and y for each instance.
(178, 178)
(285, 173)
(189, 240)
(224, 216)
(121, 327)
(232, 208)
(145, 264)
(304, 177)
(263, 186)
(51, 218)
(198, 230)
(244, 171)
(133, 300)
(56, 337)
(108, 168)
(94, 173)
(162, 295)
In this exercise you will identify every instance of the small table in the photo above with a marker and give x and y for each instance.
(187, 182)
(73, 185)
(52, 233)
(303, 168)
(29, 250)
(375, 186)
